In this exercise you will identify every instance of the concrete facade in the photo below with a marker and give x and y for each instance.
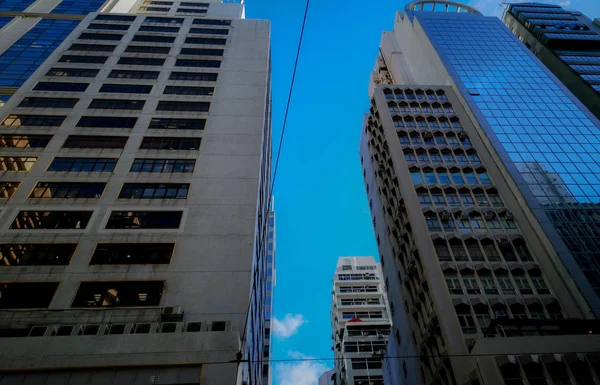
(217, 271)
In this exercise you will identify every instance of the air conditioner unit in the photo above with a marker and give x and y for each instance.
(172, 313)
(489, 215)
(446, 215)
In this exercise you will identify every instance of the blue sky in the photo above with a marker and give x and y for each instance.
(320, 201)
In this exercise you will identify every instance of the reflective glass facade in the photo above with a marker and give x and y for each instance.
(15, 5)
(552, 140)
(78, 7)
(4, 21)
(26, 55)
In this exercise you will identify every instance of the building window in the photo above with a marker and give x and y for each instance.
(20, 120)
(212, 22)
(67, 190)
(163, 165)
(115, 18)
(183, 90)
(154, 39)
(50, 220)
(48, 102)
(442, 252)
(177, 124)
(188, 4)
(141, 61)
(164, 20)
(126, 74)
(198, 63)
(83, 164)
(169, 143)
(159, 28)
(126, 88)
(183, 106)
(16, 163)
(66, 87)
(27, 295)
(117, 104)
(73, 72)
(191, 10)
(92, 47)
(194, 76)
(82, 59)
(119, 294)
(149, 49)
(132, 253)
(210, 31)
(110, 27)
(8, 189)
(205, 40)
(144, 220)
(202, 51)
(154, 191)
(100, 36)
(36, 254)
(106, 122)
(83, 141)
(24, 141)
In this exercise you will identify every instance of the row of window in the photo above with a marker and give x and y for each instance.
(71, 220)
(484, 282)
(112, 142)
(179, 10)
(359, 301)
(430, 139)
(424, 108)
(358, 289)
(473, 250)
(347, 315)
(116, 74)
(453, 175)
(430, 123)
(151, 38)
(457, 156)
(33, 141)
(353, 277)
(418, 94)
(154, 28)
(465, 197)
(162, 20)
(94, 190)
(464, 221)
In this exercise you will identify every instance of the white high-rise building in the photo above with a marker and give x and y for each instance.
(360, 321)
(135, 170)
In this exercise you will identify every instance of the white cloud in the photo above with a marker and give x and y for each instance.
(288, 326)
(299, 373)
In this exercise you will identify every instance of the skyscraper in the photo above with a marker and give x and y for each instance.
(476, 162)
(135, 178)
(360, 322)
(567, 42)
(271, 280)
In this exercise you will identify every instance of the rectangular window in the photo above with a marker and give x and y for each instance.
(48, 102)
(202, 51)
(157, 28)
(83, 141)
(141, 61)
(212, 22)
(119, 294)
(191, 10)
(126, 88)
(16, 163)
(169, 143)
(211, 31)
(154, 191)
(115, 18)
(7, 189)
(83, 59)
(177, 124)
(164, 20)
(83, 164)
(126, 74)
(50, 220)
(66, 87)
(144, 220)
(163, 165)
(154, 39)
(67, 190)
(24, 141)
(110, 27)
(183, 106)
(92, 47)
(36, 254)
(100, 36)
(27, 295)
(188, 4)
(73, 72)
(194, 76)
(198, 63)
(148, 49)
(132, 253)
(106, 122)
(117, 104)
(19, 120)
(205, 40)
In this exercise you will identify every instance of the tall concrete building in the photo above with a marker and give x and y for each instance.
(477, 161)
(327, 378)
(136, 166)
(567, 42)
(360, 322)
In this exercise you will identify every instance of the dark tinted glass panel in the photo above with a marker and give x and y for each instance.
(67, 190)
(26, 295)
(125, 74)
(115, 18)
(183, 106)
(7, 189)
(212, 22)
(82, 59)
(158, 28)
(202, 51)
(177, 124)
(132, 253)
(117, 104)
(92, 47)
(163, 165)
(100, 36)
(73, 72)
(126, 88)
(191, 10)
(144, 220)
(36, 254)
(193, 76)
(48, 102)
(83, 164)
(78, 7)
(210, 31)
(165, 143)
(16, 163)
(188, 4)
(155, 9)
(205, 40)
(18, 120)
(198, 63)
(154, 191)
(119, 294)
(183, 90)
(82, 141)
(50, 220)
(25, 141)
(141, 61)
(113, 27)
(147, 49)
(106, 122)
(67, 87)
(166, 20)
(154, 39)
